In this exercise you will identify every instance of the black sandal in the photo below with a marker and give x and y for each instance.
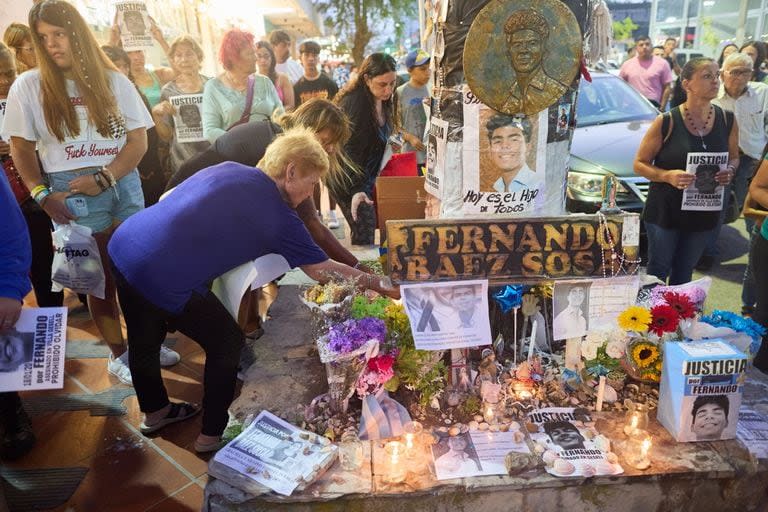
(179, 411)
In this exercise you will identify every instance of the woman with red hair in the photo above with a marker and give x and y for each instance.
(238, 95)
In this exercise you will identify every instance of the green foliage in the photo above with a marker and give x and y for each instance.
(708, 35)
(471, 405)
(418, 370)
(351, 20)
(232, 432)
(622, 30)
(362, 307)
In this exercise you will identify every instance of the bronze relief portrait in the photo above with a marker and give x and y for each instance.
(520, 59)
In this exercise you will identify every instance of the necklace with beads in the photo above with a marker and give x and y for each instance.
(695, 127)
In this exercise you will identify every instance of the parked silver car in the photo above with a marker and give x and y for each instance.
(612, 119)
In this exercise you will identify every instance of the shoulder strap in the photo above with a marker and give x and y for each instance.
(667, 124)
(248, 100)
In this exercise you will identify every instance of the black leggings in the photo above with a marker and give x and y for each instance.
(362, 230)
(39, 227)
(206, 321)
(759, 260)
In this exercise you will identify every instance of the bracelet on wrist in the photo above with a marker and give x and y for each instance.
(100, 181)
(110, 176)
(41, 196)
(37, 190)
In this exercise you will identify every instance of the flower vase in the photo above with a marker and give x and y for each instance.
(642, 361)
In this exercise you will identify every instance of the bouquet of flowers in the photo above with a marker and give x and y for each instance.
(667, 319)
(328, 303)
(378, 372)
(603, 353)
(345, 351)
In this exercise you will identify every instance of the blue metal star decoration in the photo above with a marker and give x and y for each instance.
(510, 297)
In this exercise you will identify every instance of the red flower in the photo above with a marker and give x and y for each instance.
(681, 303)
(664, 318)
(381, 363)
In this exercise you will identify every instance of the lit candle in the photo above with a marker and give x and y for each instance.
(639, 447)
(524, 394)
(533, 339)
(645, 447)
(600, 394)
(408, 441)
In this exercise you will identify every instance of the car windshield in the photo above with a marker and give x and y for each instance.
(609, 99)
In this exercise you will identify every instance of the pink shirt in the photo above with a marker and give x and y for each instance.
(648, 77)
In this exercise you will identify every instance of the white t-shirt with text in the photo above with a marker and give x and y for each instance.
(24, 118)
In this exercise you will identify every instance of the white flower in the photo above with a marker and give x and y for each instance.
(615, 349)
(589, 350)
(596, 338)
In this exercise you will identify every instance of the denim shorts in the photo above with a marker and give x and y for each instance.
(114, 204)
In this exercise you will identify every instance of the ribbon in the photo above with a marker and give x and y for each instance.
(598, 370)
(382, 417)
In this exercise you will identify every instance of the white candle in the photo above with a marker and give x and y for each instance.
(533, 340)
(600, 394)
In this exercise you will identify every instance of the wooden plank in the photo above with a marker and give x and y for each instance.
(519, 250)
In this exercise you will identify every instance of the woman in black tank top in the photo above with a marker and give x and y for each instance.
(689, 155)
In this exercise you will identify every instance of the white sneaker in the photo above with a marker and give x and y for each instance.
(333, 221)
(168, 357)
(119, 368)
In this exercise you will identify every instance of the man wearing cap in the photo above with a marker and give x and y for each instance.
(314, 83)
(509, 137)
(527, 32)
(411, 117)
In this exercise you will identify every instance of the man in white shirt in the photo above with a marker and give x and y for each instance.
(281, 45)
(749, 103)
(509, 137)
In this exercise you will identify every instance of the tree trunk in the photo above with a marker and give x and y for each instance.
(362, 33)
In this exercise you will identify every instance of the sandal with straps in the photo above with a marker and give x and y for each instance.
(179, 411)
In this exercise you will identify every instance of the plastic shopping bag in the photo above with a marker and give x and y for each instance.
(76, 261)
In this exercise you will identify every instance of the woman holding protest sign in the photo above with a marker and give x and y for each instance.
(182, 98)
(682, 150)
(89, 125)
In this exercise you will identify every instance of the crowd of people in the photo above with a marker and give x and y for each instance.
(98, 124)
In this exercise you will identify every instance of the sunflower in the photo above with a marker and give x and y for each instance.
(644, 354)
(664, 319)
(635, 318)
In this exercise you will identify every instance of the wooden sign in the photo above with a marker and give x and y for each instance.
(528, 250)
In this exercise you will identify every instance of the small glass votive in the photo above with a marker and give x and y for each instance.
(491, 409)
(412, 438)
(638, 448)
(636, 419)
(394, 469)
(350, 451)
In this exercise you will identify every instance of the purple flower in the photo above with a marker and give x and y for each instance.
(352, 334)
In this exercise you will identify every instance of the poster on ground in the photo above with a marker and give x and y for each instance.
(32, 351)
(705, 193)
(448, 315)
(474, 454)
(564, 432)
(135, 25)
(188, 117)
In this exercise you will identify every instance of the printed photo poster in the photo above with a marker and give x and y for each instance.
(32, 351)
(474, 454)
(563, 431)
(188, 117)
(504, 161)
(436, 151)
(135, 26)
(570, 309)
(448, 315)
(705, 194)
